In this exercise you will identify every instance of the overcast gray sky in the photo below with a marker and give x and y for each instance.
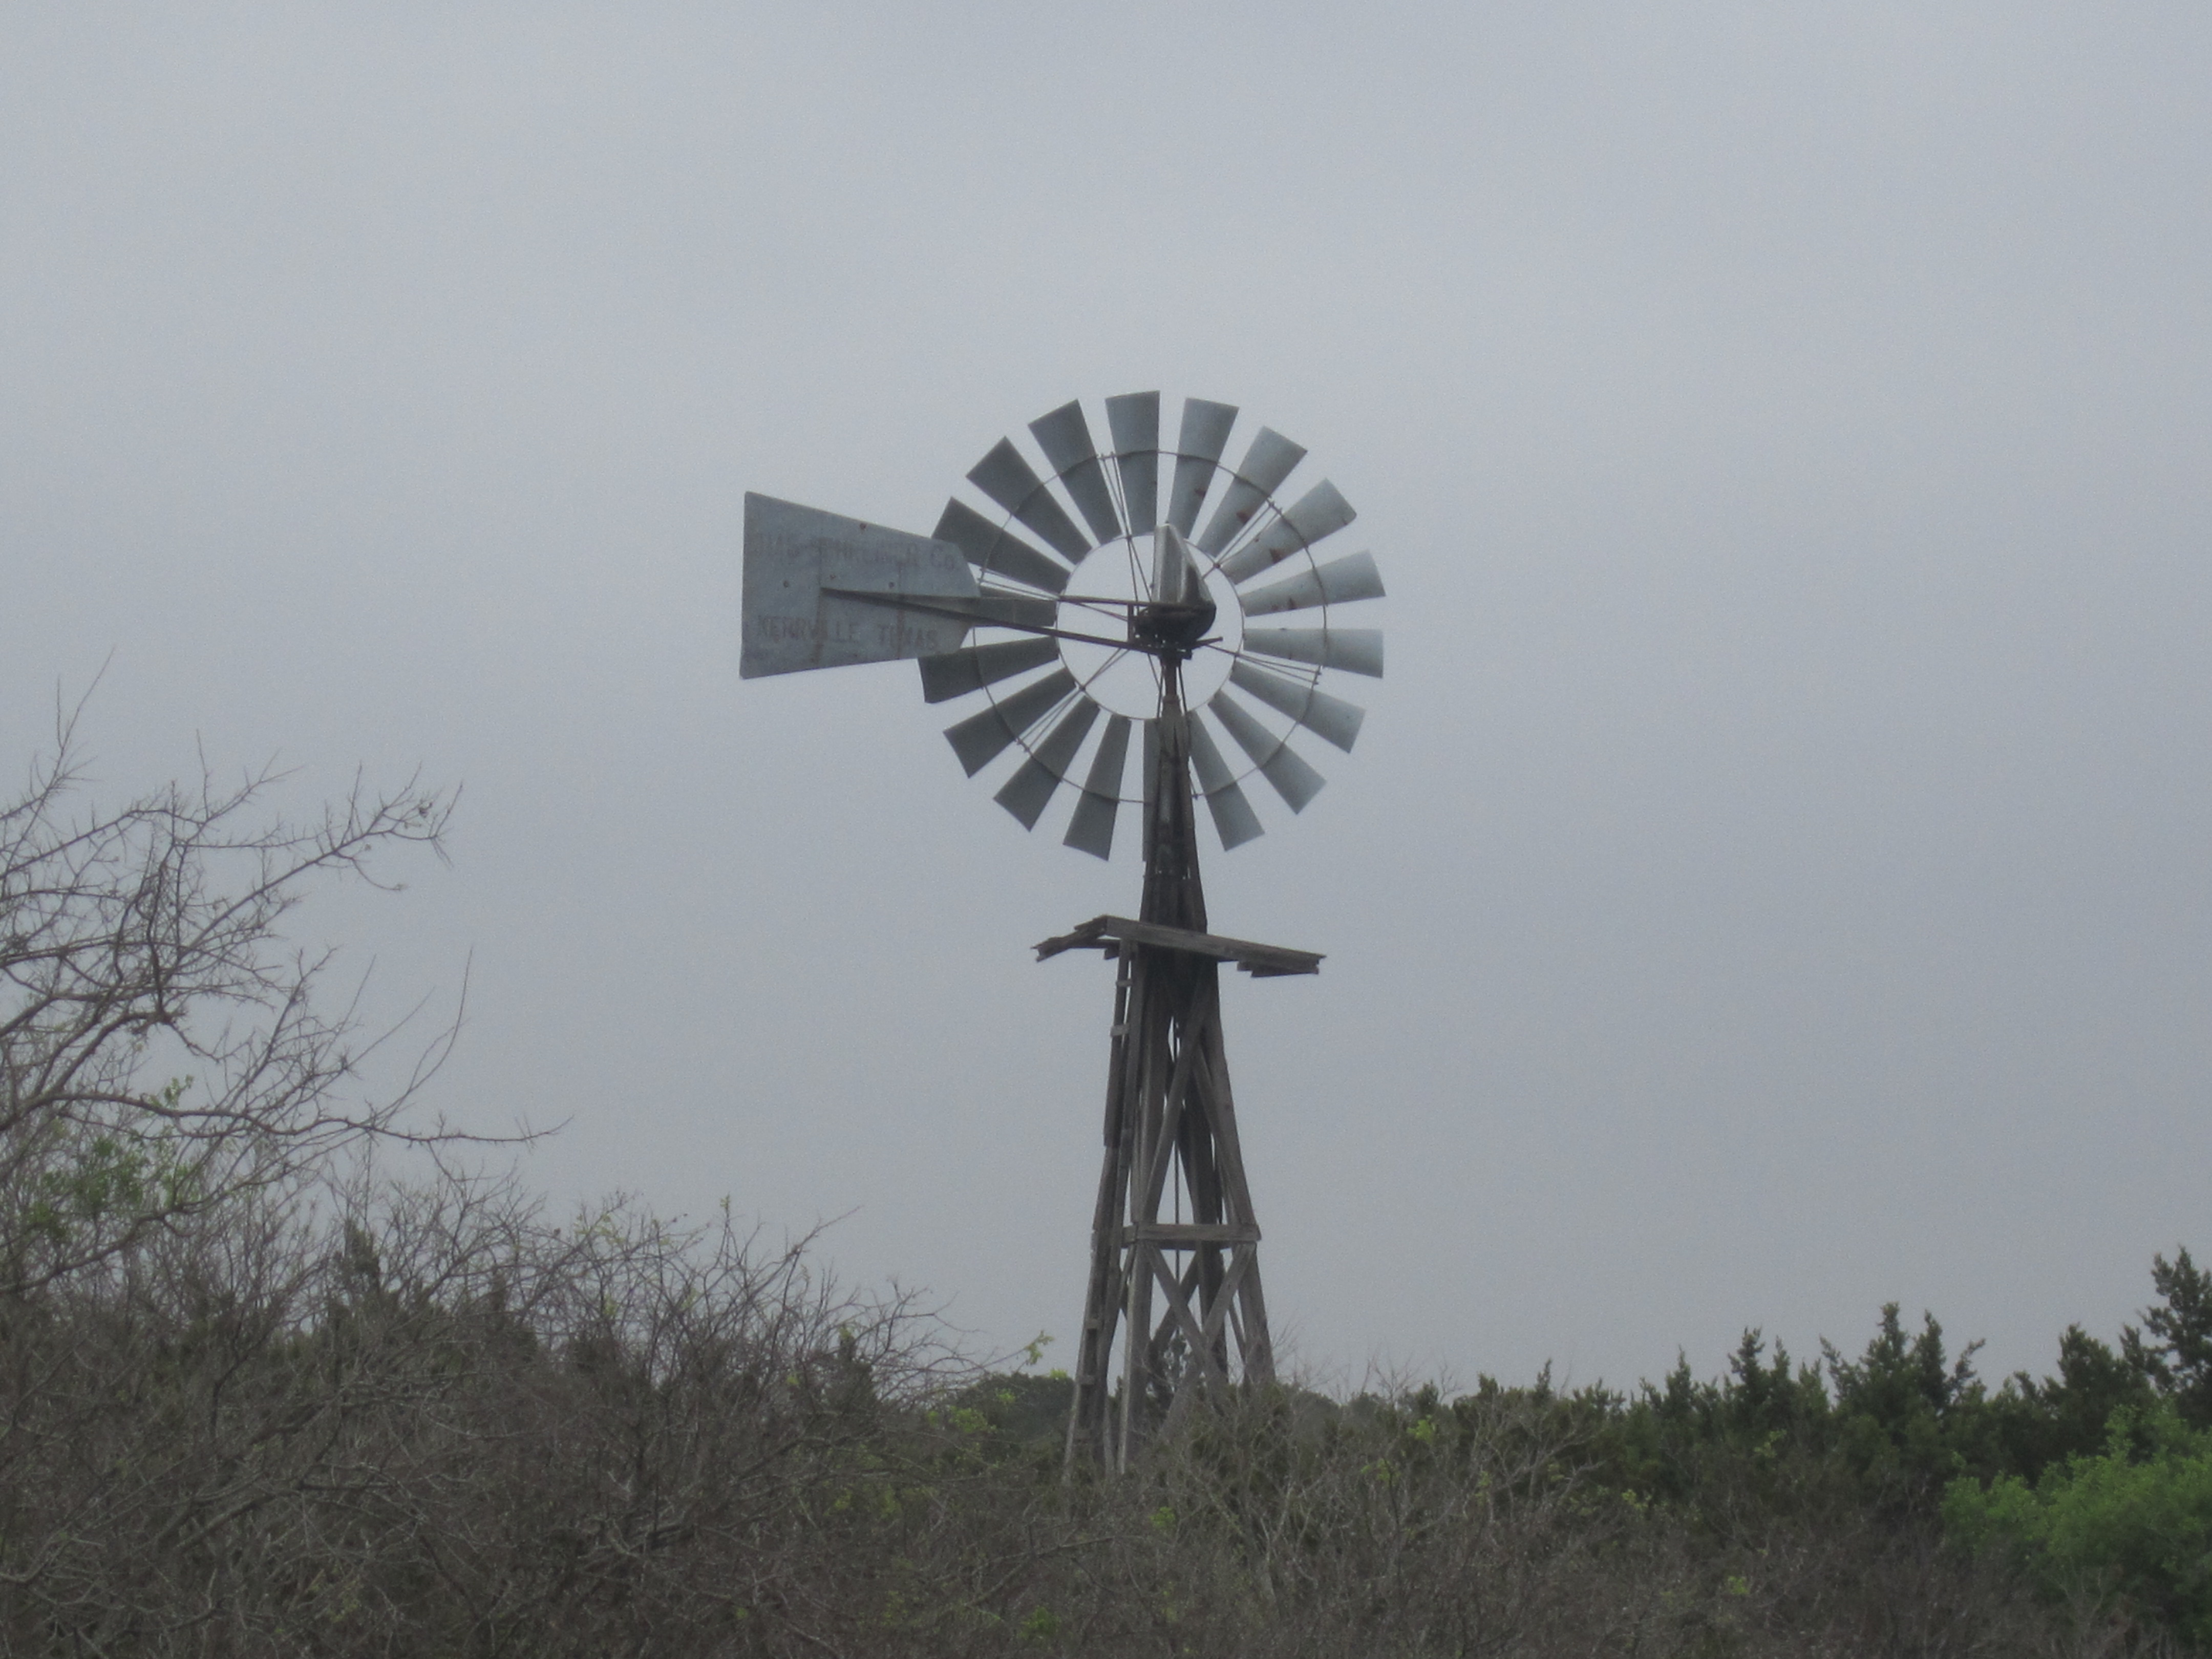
(1772, 881)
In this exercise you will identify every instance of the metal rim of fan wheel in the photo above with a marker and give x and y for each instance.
(1256, 682)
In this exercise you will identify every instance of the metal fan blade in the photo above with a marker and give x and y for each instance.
(980, 739)
(1135, 417)
(1355, 650)
(1090, 827)
(1233, 818)
(1064, 437)
(957, 673)
(1205, 430)
(1294, 781)
(1320, 511)
(1331, 719)
(1007, 479)
(1265, 466)
(1339, 583)
(997, 549)
(1030, 790)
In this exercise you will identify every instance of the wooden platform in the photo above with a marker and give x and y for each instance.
(1110, 933)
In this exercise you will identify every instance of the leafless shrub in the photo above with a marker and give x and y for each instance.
(426, 1419)
(435, 1413)
(161, 1046)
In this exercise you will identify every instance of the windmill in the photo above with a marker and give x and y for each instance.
(1137, 629)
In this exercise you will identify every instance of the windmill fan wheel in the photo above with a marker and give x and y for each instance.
(1094, 591)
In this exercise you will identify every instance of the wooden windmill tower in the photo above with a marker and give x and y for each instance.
(1139, 622)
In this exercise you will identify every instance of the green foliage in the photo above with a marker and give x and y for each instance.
(2178, 1357)
(1017, 1412)
(1906, 1419)
(1042, 1624)
(79, 1186)
(2133, 1521)
(2038, 1424)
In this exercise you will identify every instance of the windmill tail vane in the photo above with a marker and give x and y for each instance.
(1135, 620)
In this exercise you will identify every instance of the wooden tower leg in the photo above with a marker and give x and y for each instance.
(1175, 1260)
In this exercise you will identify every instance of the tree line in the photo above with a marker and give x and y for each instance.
(279, 1374)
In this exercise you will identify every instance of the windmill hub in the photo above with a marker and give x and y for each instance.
(1175, 628)
(1109, 596)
